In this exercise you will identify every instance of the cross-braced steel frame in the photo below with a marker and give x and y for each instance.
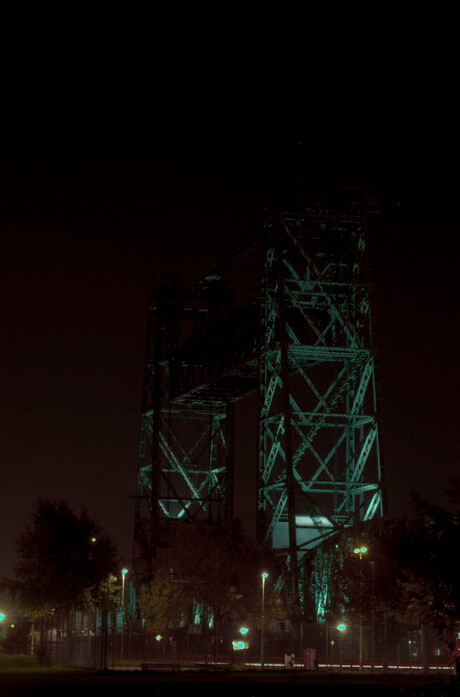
(319, 459)
(186, 445)
(304, 346)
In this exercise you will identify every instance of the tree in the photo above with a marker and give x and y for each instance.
(428, 583)
(63, 560)
(415, 574)
(222, 569)
(162, 603)
(366, 584)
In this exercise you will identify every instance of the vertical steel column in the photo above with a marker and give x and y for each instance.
(230, 466)
(290, 484)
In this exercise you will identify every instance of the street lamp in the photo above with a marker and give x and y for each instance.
(360, 551)
(342, 627)
(264, 576)
(373, 614)
(123, 574)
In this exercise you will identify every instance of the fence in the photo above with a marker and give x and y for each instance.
(91, 644)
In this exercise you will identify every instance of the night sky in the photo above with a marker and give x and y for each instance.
(85, 220)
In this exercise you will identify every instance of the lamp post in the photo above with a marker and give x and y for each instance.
(360, 551)
(342, 627)
(264, 576)
(123, 574)
(373, 614)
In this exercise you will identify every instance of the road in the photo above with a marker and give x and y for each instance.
(226, 684)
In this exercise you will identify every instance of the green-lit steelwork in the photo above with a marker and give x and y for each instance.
(319, 459)
(302, 342)
(185, 454)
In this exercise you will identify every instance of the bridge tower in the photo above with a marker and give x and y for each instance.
(320, 467)
(185, 468)
(301, 341)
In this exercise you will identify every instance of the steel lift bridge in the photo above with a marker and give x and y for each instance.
(301, 343)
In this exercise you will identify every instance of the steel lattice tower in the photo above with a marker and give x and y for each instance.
(303, 345)
(186, 443)
(320, 468)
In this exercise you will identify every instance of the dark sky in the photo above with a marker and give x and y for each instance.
(86, 217)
